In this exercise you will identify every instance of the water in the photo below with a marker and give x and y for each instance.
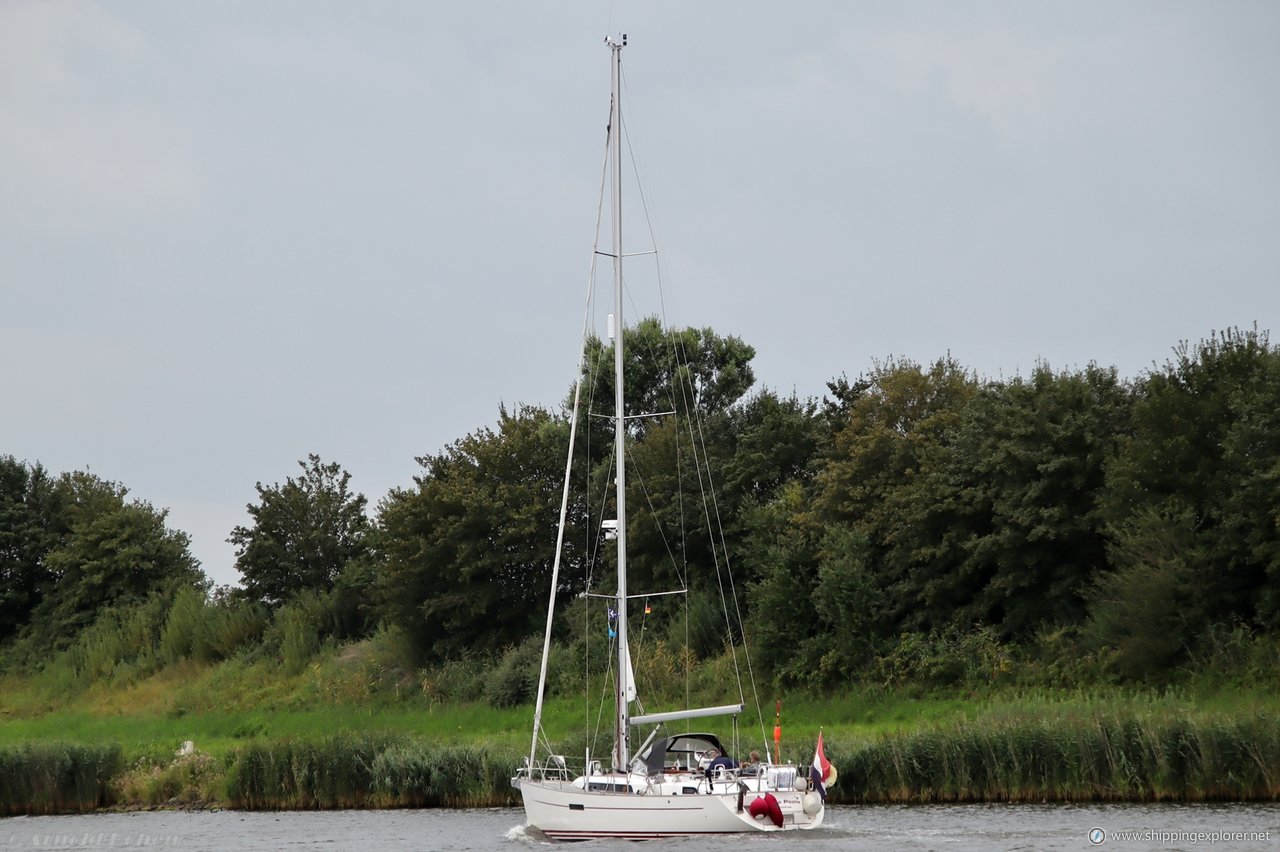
(953, 828)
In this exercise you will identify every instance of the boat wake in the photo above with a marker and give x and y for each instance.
(527, 834)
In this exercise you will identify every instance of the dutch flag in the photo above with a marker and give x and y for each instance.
(820, 770)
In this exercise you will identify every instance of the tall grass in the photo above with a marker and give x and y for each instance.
(304, 775)
(125, 645)
(206, 631)
(47, 778)
(415, 774)
(117, 648)
(359, 772)
(1071, 756)
(1110, 757)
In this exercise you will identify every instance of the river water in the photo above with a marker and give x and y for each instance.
(953, 828)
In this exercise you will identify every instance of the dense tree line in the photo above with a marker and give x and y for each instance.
(1074, 511)
(71, 546)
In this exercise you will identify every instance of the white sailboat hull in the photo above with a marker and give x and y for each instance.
(564, 810)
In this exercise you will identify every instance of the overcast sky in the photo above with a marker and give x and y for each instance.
(235, 233)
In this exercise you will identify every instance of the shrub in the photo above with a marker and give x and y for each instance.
(945, 659)
(119, 646)
(298, 629)
(188, 629)
(189, 779)
(459, 680)
(239, 624)
(514, 679)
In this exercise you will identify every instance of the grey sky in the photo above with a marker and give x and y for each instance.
(232, 234)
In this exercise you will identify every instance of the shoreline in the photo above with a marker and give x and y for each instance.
(1067, 758)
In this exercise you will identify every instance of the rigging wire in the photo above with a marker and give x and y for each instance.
(695, 418)
(588, 368)
(682, 566)
(538, 731)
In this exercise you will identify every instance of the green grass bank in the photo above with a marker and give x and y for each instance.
(351, 726)
(887, 748)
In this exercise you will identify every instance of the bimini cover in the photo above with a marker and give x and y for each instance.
(682, 748)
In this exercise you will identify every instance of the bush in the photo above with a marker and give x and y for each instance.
(373, 666)
(1142, 612)
(190, 779)
(946, 659)
(454, 681)
(514, 679)
(188, 629)
(239, 624)
(119, 646)
(298, 630)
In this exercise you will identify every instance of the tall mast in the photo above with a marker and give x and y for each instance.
(623, 733)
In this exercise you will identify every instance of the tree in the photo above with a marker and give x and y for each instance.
(1143, 612)
(114, 554)
(304, 534)
(850, 605)
(1205, 446)
(890, 429)
(775, 441)
(30, 528)
(671, 506)
(468, 552)
(1251, 509)
(1002, 528)
(694, 379)
(1043, 456)
(782, 551)
(684, 371)
(71, 547)
(692, 484)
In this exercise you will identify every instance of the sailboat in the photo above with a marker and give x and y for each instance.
(676, 782)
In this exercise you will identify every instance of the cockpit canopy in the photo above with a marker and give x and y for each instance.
(682, 749)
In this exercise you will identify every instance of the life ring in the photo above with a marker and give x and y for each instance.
(767, 805)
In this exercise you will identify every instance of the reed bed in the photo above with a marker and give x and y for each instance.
(365, 772)
(49, 778)
(1067, 759)
(423, 776)
(1073, 752)
(304, 775)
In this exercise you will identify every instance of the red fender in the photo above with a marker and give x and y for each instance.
(767, 805)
